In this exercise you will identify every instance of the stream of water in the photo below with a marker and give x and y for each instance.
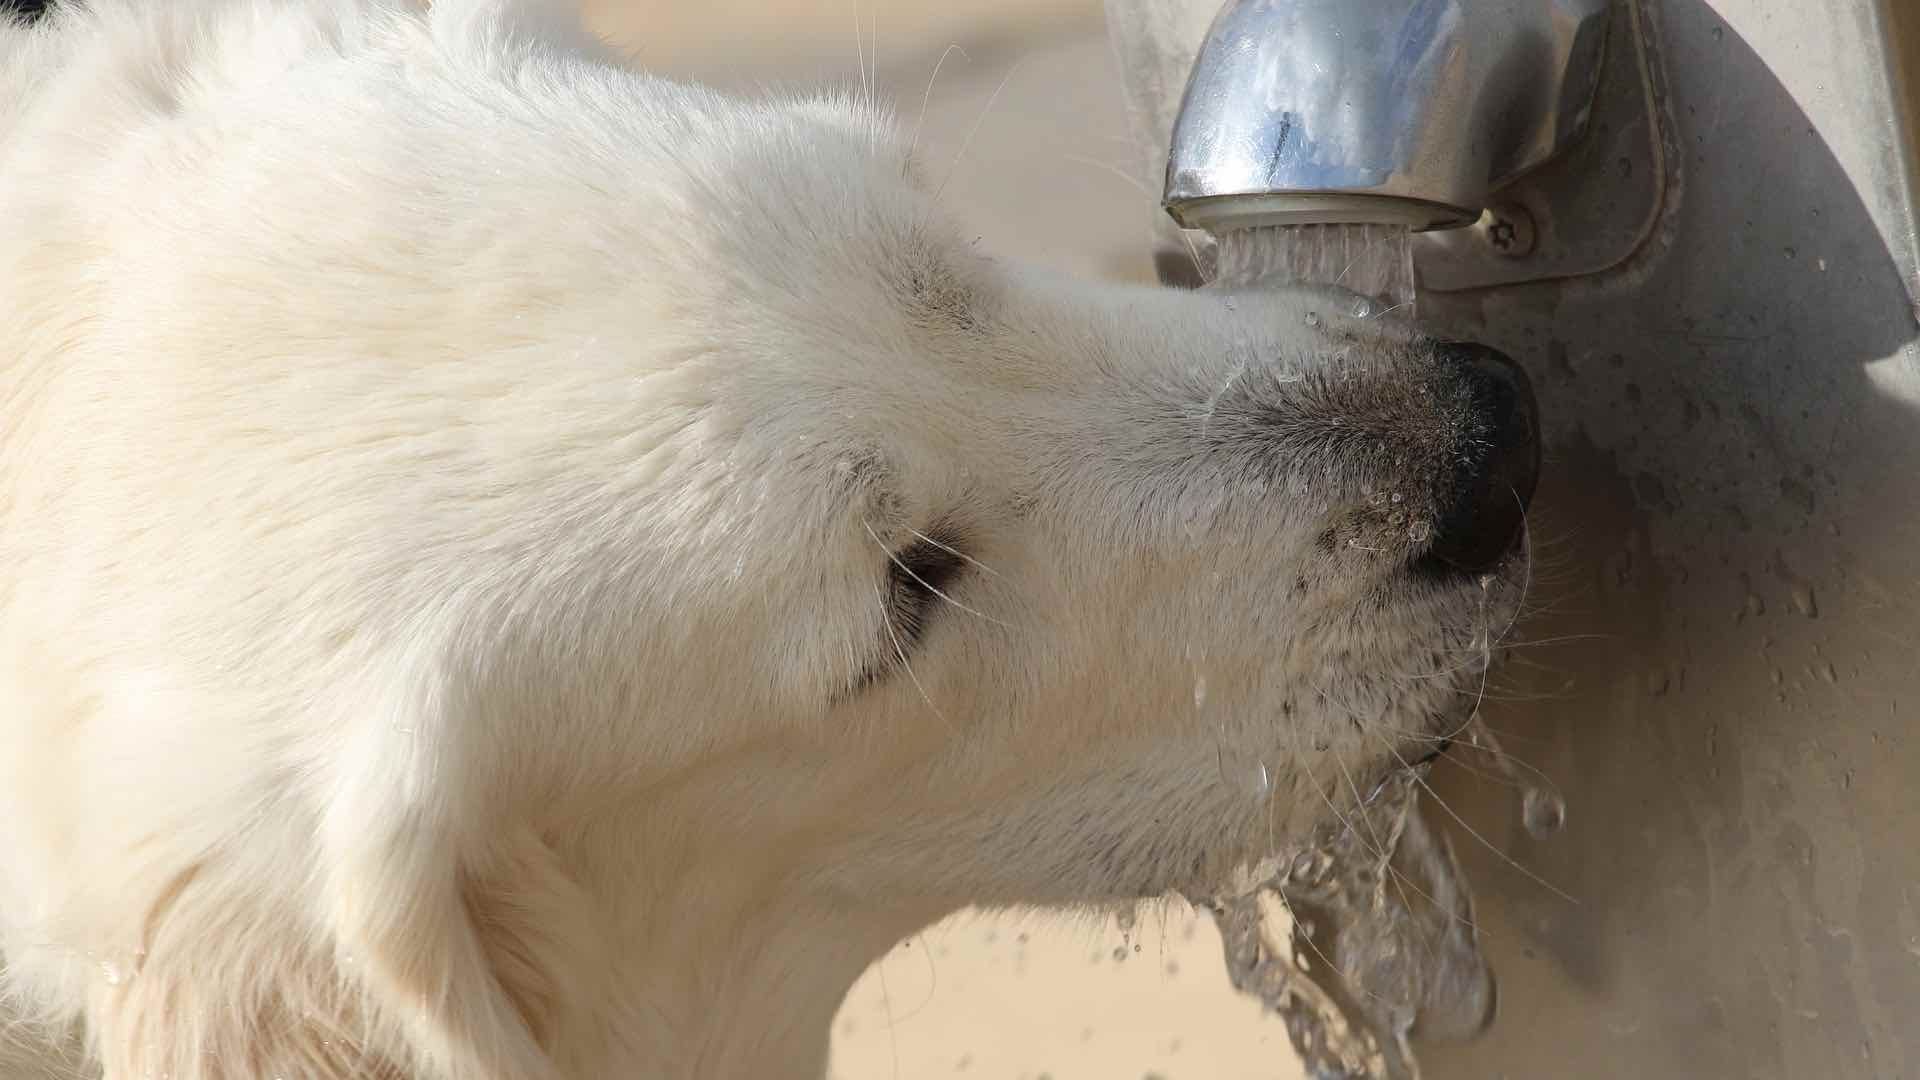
(1366, 931)
(1374, 262)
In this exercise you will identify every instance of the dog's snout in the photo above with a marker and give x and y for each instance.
(1496, 466)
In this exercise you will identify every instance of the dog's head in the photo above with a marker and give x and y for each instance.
(1045, 590)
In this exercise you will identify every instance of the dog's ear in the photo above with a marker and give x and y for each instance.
(478, 947)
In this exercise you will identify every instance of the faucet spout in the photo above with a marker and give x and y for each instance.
(1390, 112)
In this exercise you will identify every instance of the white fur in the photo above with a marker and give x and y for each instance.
(446, 489)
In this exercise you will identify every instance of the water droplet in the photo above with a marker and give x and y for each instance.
(112, 972)
(1543, 812)
(1363, 308)
(1398, 498)
(1119, 954)
(1419, 531)
(1313, 319)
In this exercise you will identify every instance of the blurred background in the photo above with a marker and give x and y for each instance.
(1049, 173)
(1027, 120)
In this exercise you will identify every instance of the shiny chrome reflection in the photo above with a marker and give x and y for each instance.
(1402, 112)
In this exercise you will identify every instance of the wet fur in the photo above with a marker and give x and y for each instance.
(454, 494)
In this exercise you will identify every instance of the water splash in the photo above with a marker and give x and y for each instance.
(1360, 937)
(1366, 934)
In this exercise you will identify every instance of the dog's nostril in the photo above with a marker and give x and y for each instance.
(1497, 463)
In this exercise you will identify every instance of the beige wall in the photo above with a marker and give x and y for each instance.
(711, 35)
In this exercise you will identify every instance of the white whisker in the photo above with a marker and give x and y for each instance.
(907, 665)
(1384, 312)
(961, 555)
(1475, 833)
(927, 98)
(1383, 854)
(967, 143)
(859, 48)
(1131, 180)
(1345, 823)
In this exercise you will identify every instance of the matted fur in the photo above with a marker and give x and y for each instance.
(460, 503)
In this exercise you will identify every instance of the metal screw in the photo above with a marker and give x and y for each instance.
(1509, 230)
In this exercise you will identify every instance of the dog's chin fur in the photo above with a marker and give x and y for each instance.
(513, 568)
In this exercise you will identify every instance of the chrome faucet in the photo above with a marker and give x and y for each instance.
(1388, 112)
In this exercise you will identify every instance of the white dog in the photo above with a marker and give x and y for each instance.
(511, 568)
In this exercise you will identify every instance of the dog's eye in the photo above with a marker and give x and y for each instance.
(920, 577)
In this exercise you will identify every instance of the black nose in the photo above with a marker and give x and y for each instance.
(1497, 464)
